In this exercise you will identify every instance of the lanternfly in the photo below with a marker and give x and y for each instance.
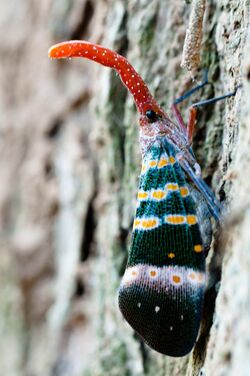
(161, 293)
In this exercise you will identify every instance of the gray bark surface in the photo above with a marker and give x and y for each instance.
(69, 166)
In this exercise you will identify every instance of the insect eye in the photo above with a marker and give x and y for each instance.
(151, 115)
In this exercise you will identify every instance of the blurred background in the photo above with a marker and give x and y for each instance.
(69, 166)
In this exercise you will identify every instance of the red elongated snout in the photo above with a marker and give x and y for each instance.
(130, 78)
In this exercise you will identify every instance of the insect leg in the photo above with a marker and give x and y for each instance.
(177, 113)
(191, 123)
(193, 90)
(215, 99)
(193, 111)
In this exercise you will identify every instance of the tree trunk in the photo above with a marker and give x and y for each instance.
(69, 164)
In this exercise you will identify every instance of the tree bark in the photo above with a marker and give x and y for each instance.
(69, 165)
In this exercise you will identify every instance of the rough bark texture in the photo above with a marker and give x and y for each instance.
(69, 165)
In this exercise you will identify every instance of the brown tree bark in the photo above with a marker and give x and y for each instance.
(69, 165)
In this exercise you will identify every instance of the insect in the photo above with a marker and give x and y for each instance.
(162, 290)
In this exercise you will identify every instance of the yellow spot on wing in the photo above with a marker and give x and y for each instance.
(196, 277)
(149, 223)
(143, 168)
(171, 159)
(176, 279)
(191, 219)
(137, 222)
(172, 186)
(152, 163)
(192, 275)
(153, 273)
(142, 195)
(201, 277)
(198, 248)
(171, 255)
(130, 275)
(162, 163)
(175, 219)
(158, 194)
(184, 191)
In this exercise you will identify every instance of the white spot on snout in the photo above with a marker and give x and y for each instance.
(157, 309)
(139, 304)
